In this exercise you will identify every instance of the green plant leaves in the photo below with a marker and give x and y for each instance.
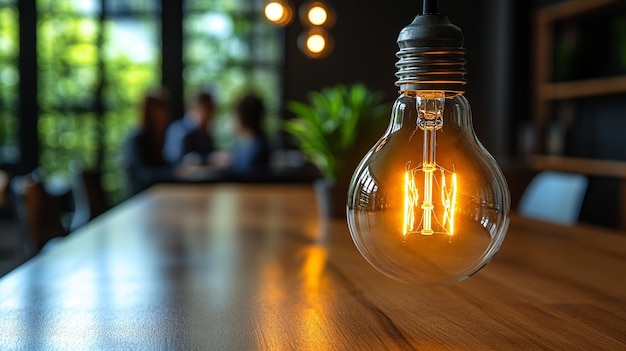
(331, 125)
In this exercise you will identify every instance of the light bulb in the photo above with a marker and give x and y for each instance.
(316, 43)
(317, 15)
(427, 204)
(279, 12)
(274, 11)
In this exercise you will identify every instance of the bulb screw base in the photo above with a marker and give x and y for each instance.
(431, 56)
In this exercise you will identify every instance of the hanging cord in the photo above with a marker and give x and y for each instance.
(430, 7)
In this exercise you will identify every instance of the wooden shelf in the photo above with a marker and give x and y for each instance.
(546, 91)
(571, 9)
(582, 88)
(591, 167)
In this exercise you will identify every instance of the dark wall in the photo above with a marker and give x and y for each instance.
(365, 34)
(496, 39)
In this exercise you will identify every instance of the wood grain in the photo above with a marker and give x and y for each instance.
(247, 267)
(581, 88)
(591, 167)
(572, 8)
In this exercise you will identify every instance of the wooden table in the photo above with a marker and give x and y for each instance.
(231, 267)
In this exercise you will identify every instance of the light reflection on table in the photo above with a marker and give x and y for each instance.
(249, 267)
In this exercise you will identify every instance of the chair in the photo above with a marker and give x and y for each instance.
(4, 183)
(6, 226)
(88, 195)
(38, 213)
(555, 197)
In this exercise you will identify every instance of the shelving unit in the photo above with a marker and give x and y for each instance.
(581, 88)
(547, 91)
(591, 167)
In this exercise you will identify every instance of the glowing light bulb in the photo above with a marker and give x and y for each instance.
(427, 204)
(279, 12)
(316, 43)
(274, 11)
(317, 15)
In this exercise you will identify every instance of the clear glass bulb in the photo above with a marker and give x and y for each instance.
(428, 204)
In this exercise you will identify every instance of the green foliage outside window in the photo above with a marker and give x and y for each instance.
(68, 57)
(230, 48)
(227, 45)
(9, 80)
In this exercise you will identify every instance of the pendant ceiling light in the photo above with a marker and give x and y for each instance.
(317, 14)
(279, 12)
(428, 205)
(317, 17)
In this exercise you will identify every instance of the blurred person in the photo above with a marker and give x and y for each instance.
(143, 153)
(248, 157)
(251, 149)
(188, 139)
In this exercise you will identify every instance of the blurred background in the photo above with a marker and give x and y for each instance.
(73, 74)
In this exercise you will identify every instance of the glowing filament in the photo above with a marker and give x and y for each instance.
(411, 201)
(427, 204)
(435, 217)
(453, 205)
(423, 217)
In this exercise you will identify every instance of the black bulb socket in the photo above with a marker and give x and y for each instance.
(431, 56)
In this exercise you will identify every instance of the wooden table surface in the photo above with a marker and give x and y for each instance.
(232, 267)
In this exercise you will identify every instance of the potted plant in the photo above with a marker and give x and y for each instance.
(334, 130)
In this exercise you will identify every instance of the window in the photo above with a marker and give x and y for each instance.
(132, 58)
(94, 68)
(230, 48)
(97, 58)
(9, 82)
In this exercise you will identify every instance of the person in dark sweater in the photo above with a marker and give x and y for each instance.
(143, 153)
(189, 138)
(251, 152)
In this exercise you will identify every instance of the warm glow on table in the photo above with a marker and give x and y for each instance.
(228, 267)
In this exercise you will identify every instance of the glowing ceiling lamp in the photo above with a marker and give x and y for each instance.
(317, 14)
(315, 43)
(317, 17)
(279, 12)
